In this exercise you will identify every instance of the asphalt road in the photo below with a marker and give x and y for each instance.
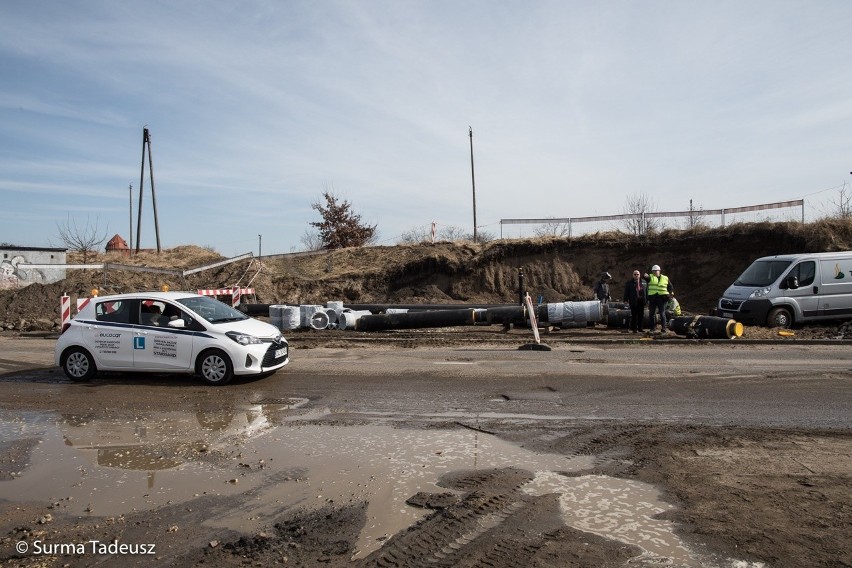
(718, 384)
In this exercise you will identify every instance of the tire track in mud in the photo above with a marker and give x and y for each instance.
(493, 525)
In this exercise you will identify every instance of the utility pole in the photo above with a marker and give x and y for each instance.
(130, 192)
(259, 240)
(472, 182)
(146, 143)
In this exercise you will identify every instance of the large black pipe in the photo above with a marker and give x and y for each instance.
(439, 315)
(507, 314)
(445, 318)
(263, 309)
(620, 319)
(706, 327)
(412, 320)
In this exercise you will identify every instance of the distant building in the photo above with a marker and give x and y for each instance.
(13, 275)
(118, 245)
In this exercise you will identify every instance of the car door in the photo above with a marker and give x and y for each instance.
(835, 294)
(110, 337)
(156, 345)
(806, 294)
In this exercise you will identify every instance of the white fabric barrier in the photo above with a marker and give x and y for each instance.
(579, 312)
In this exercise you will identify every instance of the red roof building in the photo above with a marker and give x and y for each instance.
(119, 245)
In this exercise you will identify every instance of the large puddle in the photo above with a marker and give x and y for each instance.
(108, 467)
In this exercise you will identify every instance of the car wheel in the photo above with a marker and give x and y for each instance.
(78, 365)
(215, 368)
(779, 317)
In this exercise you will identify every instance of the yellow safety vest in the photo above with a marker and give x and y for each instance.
(658, 286)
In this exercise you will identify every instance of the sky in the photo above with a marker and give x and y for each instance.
(255, 108)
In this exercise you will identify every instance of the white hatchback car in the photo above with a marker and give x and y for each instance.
(168, 332)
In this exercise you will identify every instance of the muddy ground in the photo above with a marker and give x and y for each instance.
(764, 497)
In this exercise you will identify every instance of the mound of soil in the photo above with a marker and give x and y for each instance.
(701, 263)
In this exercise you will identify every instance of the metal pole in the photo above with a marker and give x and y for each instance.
(259, 241)
(130, 193)
(153, 194)
(141, 191)
(472, 182)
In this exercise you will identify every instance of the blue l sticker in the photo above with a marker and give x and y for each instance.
(139, 343)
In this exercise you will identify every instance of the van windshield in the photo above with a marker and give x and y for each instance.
(762, 273)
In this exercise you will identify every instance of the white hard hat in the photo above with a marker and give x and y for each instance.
(655, 267)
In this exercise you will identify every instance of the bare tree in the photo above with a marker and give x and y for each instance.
(451, 233)
(553, 229)
(639, 205)
(483, 237)
(416, 235)
(696, 217)
(841, 208)
(340, 226)
(86, 239)
(311, 240)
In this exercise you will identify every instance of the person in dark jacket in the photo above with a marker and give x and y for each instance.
(636, 294)
(602, 288)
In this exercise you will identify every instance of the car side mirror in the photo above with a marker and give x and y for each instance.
(792, 282)
(178, 323)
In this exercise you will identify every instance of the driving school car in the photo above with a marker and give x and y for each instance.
(168, 332)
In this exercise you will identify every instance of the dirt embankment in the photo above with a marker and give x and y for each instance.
(701, 264)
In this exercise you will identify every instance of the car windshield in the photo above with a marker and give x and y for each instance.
(762, 273)
(212, 310)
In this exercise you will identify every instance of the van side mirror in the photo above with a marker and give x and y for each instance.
(792, 282)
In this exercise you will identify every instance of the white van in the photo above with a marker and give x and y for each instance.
(779, 291)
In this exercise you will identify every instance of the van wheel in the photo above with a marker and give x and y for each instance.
(214, 367)
(779, 317)
(78, 364)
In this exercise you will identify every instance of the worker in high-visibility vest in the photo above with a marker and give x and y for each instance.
(659, 291)
(673, 308)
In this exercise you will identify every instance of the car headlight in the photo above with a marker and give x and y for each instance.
(243, 338)
(760, 292)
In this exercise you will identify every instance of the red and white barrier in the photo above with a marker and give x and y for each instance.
(223, 291)
(65, 310)
(235, 293)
